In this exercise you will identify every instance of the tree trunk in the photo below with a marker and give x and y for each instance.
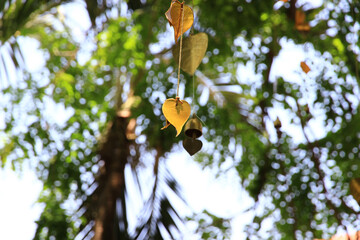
(114, 153)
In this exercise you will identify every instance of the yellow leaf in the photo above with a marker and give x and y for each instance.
(175, 17)
(304, 67)
(177, 112)
(193, 51)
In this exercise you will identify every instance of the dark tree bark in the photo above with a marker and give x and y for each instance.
(114, 153)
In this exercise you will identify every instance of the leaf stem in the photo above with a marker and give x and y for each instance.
(181, 37)
(193, 100)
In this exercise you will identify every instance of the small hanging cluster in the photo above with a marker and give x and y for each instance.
(188, 54)
(193, 130)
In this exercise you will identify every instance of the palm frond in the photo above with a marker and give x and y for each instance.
(159, 215)
(15, 14)
(14, 18)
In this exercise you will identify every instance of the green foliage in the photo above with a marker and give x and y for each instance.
(211, 226)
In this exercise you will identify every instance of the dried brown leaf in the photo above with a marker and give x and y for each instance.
(300, 21)
(175, 17)
(305, 67)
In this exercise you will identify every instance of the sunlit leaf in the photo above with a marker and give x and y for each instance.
(339, 45)
(176, 112)
(193, 51)
(305, 67)
(175, 17)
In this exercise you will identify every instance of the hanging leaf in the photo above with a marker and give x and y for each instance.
(304, 67)
(300, 21)
(355, 188)
(176, 112)
(193, 51)
(174, 15)
(192, 146)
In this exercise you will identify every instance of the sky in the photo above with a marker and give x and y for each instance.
(18, 195)
(221, 196)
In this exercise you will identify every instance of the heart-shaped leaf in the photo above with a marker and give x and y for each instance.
(192, 146)
(175, 14)
(177, 112)
(193, 51)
